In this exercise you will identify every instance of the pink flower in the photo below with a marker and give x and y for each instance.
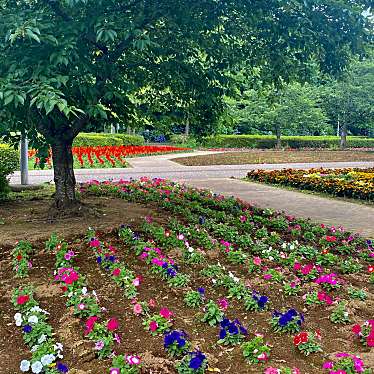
(257, 261)
(296, 371)
(144, 255)
(153, 325)
(90, 323)
(152, 303)
(267, 276)
(99, 345)
(223, 304)
(114, 371)
(136, 282)
(271, 370)
(133, 360)
(116, 272)
(297, 266)
(138, 309)
(328, 365)
(117, 338)
(112, 324)
(95, 243)
(81, 306)
(166, 313)
(262, 357)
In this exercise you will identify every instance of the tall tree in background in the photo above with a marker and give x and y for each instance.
(349, 102)
(65, 63)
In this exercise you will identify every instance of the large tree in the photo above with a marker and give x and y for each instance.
(67, 63)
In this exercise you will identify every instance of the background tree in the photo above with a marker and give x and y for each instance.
(349, 102)
(68, 63)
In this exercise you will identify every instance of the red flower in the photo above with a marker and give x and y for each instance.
(371, 268)
(64, 288)
(356, 329)
(116, 272)
(19, 257)
(300, 338)
(112, 324)
(330, 239)
(23, 299)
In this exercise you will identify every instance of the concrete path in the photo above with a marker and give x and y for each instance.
(352, 216)
(355, 217)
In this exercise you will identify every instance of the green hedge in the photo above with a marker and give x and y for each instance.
(95, 139)
(295, 142)
(9, 162)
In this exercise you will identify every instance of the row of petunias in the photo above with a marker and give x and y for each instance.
(37, 332)
(176, 342)
(85, 303)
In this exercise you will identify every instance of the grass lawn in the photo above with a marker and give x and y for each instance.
(275, 157)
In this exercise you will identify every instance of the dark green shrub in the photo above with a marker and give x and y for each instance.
(9, 162)
(95, 139)
(295, 142)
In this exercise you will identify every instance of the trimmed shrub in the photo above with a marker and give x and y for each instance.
(96, 140)
(295, 142)
(9, 162)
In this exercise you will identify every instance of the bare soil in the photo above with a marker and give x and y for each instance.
(275, 157)
(27, 220)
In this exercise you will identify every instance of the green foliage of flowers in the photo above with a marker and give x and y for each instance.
(355, 293)
(193, 299)
(21, 258)
(104, 339)
(340, 314)
(156, 324)
(256, 350)
(120, 362)
(213, 315)
(350, 266)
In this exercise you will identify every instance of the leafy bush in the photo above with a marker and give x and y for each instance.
(95, 139)
(9, 162)
(295, 142)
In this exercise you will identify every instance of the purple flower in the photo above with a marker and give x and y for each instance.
(62, 368)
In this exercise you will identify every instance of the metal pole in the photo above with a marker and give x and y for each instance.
(24, 160)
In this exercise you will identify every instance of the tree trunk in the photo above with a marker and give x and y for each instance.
(187, 127)
(278, 134)
(65, 198)
(343, 136)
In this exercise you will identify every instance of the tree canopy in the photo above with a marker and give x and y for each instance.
(67, 63)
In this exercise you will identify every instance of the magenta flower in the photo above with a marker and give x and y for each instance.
(223, 304)
(166, 313)
(153, 325)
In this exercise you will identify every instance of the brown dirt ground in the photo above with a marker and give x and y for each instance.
(26, 221)
(275, 157)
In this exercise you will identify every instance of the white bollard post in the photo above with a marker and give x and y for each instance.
(24, 160)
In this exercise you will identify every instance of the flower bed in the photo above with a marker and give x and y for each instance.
(353, 183)
(211, 284)
(106, 156)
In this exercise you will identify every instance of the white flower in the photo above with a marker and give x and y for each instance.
(18, 319)
(25, 365)
(84, 290)
(37, 367)
(38, 309)
(47, 359)
(191, 250)
(292, 247)
(33, 319)
(58, 347)
(42, 339)
(35, 348)
(284, 245)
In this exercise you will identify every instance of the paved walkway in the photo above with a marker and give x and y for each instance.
(356, 217)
